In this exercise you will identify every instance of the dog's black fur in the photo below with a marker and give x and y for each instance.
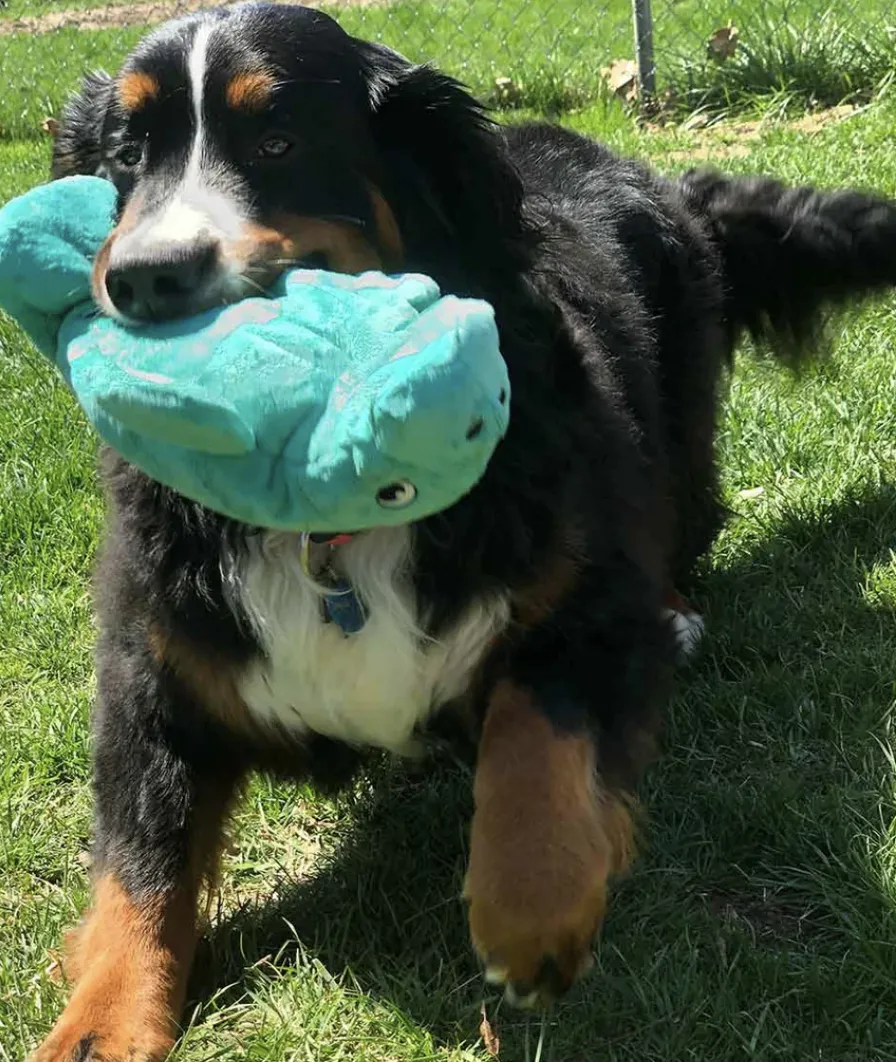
(620, 297)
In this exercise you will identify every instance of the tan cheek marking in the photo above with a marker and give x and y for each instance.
(250, 91)
(544, 842)
(287, 237)
(98, 273)
(127, 222)
(135, 90)
(387, 231)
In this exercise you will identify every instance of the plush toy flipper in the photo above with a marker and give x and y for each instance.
(47, 246)
(190, 419)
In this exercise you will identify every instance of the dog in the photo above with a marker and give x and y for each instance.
(542, 611)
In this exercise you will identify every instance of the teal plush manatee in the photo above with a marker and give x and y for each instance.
(332, 403)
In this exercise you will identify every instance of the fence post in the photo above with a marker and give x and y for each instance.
(644, 49)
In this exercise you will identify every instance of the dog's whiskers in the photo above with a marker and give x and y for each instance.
(350, 218)
(248, 279)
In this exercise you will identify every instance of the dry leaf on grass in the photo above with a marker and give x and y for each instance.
(50, 126)
(507, 90)
(621, 77)
(489, 1037)
(723, 43)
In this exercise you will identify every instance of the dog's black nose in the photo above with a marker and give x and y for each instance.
(164, 285)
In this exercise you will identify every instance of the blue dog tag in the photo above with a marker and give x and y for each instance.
(343, 607)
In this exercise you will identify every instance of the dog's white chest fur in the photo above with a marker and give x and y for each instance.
(369, 688)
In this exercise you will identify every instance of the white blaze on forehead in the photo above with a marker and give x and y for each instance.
(197, 68)
(181, 220)
(207, 202)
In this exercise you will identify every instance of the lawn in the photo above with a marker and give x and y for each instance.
(551, 50)
(759, 923)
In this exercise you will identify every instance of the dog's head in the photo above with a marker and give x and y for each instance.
(245, 140)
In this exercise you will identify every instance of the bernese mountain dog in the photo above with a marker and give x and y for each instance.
(540, 613)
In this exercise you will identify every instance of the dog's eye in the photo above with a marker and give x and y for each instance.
(275, 147)
(129, 155)
(396, 495)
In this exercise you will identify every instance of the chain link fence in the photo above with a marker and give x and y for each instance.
(542, 55)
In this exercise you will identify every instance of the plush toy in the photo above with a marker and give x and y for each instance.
(332, 404)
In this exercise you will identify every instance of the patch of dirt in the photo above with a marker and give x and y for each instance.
(707, 152)
(148, 13)
(769, 916)
(811, 123)
(731, 140)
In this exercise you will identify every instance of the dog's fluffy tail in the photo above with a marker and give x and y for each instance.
(791, 255)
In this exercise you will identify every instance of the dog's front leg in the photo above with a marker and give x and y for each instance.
(161, 797)
(547, 835)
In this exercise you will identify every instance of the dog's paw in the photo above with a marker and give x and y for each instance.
(536, 948)
(537, 898)
(93, 1047)
(127, 980)
(688, 629)
(76, 1045)
(69, 1047)
(120, 1035)
(687, 626)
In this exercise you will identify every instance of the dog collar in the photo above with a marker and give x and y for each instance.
(340, 604)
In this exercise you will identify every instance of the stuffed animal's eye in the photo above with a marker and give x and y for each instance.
(129, 155)
(275, 147)
(396, 495)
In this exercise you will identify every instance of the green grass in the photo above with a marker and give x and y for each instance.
(816, 62)
(759, 923)
(793, 52)
(478, 42)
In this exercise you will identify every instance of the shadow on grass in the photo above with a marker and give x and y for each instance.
(387, 905)
(736, 835)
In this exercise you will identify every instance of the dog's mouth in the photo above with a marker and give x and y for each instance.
(145, 273)
(265, 250)
(331, 538)
(398, 494)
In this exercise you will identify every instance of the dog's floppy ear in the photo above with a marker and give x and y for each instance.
(445, 152)
(78, 142)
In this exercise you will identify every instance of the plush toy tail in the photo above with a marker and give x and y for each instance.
(792, 255)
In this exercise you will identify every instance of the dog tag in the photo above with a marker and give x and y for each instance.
(343, 607)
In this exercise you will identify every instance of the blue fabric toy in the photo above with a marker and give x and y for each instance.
(334, 403)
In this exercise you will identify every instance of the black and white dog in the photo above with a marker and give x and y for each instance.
(543, 607)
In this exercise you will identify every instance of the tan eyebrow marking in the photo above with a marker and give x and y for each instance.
(249, 91)
(135, 90)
